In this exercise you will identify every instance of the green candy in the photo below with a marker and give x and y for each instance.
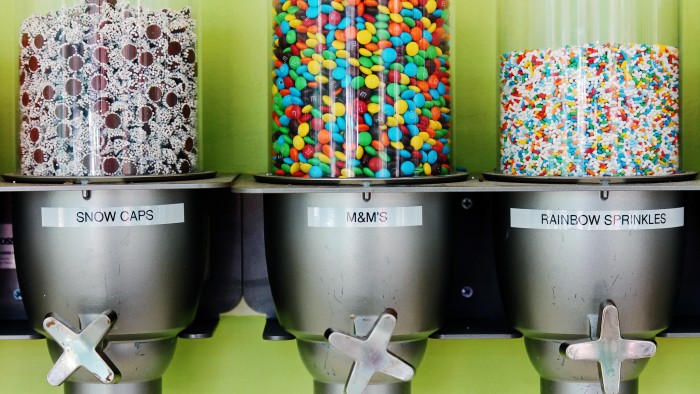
(300, 83)
(369, 173)
(364, 139)
(383, 17)
(294, 62)
(358, 82)
(309, 140)
(286, 168)
(329, 55)
(292, 36)
(431, 52)
(325, 168)
(370, 150)
(366, 62)
(419, 60)
(314, 161)
(394, 90)
(422, 73)
(383, 34)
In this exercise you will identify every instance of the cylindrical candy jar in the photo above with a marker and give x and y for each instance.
(361, 88)
(589, 88)
(107, 87)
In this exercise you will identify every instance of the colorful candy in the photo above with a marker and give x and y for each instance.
(107, 89)
(594, 110)
(361, 88)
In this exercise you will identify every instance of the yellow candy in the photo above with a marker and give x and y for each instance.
(359, 152)
(340, 155)
(364, 37)
(370, 28)
(412, 48)
(314, 67)
(329, 64)
(372, 81)
(338, 109)
(417, 142)
(365, 52)
(322, 157)
(397, 145)
(303, 129)
(298, 142)
(396, 18)
(372, 108)
(427, 169)
(342, 53)
(318, 58)
(305, 167)
(401, 106)
(431, 6)
(294, 168)
(307, 109)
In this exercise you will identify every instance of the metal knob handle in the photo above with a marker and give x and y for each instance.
(371, 354)
(81, 348)
(610, 350)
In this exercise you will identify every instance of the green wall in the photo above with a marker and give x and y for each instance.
(234, 100)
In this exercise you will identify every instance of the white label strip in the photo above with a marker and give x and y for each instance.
(7, 248)
(365, 217)
(113, 216)
(596, 220)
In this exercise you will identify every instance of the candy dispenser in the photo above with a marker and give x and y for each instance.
(108, 88)
(589, 274)
(589, 88)
(361, 89)
(109, 206)
(361, 98)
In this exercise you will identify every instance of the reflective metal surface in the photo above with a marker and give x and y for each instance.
(554, 281)
(341, 277)
(148, 274)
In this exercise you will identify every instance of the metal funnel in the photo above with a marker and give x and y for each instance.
(358, 279)
(589, 278)
(111, 277)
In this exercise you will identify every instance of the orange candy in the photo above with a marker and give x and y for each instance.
(324, 136)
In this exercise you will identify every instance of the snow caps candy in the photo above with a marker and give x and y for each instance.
(108, 89)
(592, 110)
(361, 88)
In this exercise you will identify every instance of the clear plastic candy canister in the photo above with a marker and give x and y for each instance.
(361, 88)
(107, 87)
(589, 88)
